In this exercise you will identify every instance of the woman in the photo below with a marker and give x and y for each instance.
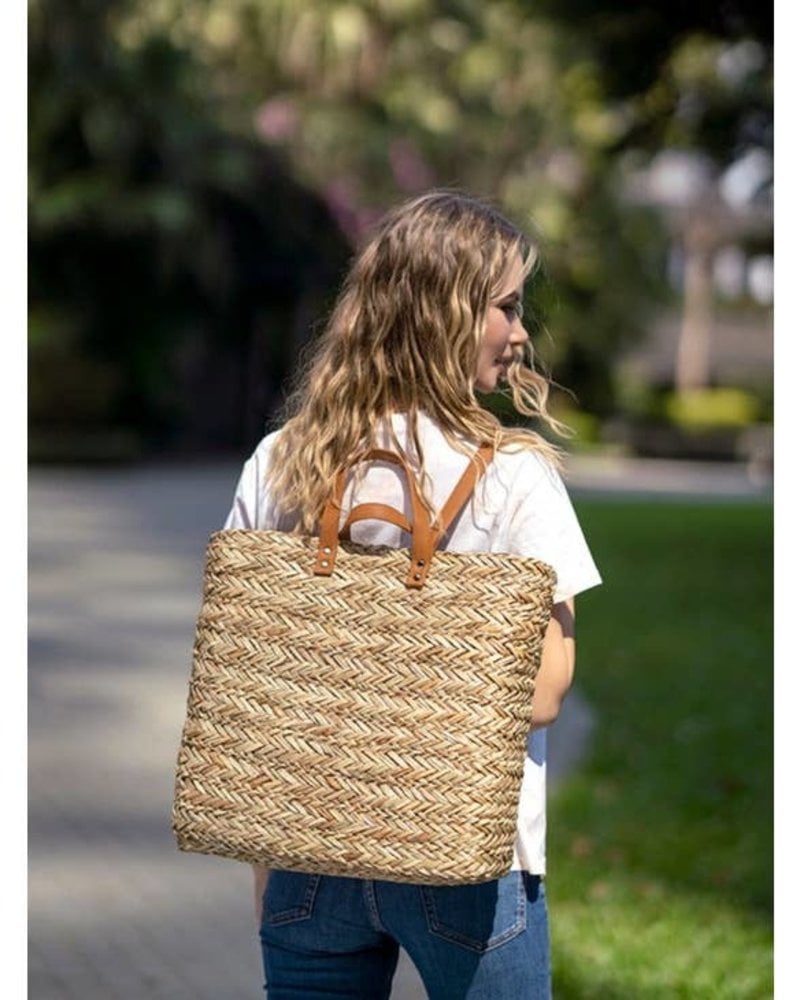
(430, 316)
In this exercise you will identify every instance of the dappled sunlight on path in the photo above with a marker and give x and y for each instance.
(115, 911)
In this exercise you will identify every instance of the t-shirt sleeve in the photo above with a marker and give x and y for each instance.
(542, 523)
(251, 506)
(244, 510)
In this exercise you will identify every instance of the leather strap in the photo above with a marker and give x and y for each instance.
(464, 488)
(329, 529)
(374, 511)
(424, 536)
(420, 527)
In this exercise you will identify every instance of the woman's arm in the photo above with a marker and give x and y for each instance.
(557, 666)
(260, 876)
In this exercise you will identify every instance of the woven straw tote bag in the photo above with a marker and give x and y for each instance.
(360, 710)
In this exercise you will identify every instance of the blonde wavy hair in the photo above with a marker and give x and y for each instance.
(403, 337)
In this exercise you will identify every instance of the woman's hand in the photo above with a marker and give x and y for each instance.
(557, 666)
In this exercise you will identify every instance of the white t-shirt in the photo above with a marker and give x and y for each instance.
(520, 506)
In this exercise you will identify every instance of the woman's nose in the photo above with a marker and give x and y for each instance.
(519, 335)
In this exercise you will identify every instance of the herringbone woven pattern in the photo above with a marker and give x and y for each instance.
(351, 726)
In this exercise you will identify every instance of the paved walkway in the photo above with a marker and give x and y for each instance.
(115, 912)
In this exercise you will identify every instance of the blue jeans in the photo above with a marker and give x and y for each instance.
(325, 937)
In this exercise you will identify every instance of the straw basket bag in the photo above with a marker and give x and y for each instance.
(359, 710)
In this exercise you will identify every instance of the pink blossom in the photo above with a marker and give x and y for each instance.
(410, 171)
(276, 119)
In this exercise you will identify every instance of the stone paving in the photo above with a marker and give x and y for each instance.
(115, 911)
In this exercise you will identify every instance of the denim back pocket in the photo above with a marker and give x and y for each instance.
(289, 897)
(479, 917)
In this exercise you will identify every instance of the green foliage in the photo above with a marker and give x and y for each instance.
(585, 427)
(598, 282)
(159, 242)
(691, 74)
(660, 847)
(371, 102)
(199, 172)
(716, 423)
(714, 407)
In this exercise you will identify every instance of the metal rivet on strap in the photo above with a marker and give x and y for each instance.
(417, 576)
(327, 550)
(420, 562)
(324, 562)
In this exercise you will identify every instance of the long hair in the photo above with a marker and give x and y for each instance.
(403, 337)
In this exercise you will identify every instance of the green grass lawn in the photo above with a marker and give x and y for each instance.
(660, 848)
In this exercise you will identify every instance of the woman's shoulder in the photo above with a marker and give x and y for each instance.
(526, 467)
(260, 454)
(253, 475)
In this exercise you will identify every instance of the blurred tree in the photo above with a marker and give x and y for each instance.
(633, 43)
(694, 78)
(372, 101)
(165, 133)
(693, 74)
(172, 264)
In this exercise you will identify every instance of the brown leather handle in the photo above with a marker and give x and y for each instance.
(424, 535)
(374, 511)
(421, 547)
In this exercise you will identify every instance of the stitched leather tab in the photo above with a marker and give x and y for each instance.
(329, 529)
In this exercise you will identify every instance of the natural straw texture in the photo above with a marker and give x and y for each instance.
(349, 725)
